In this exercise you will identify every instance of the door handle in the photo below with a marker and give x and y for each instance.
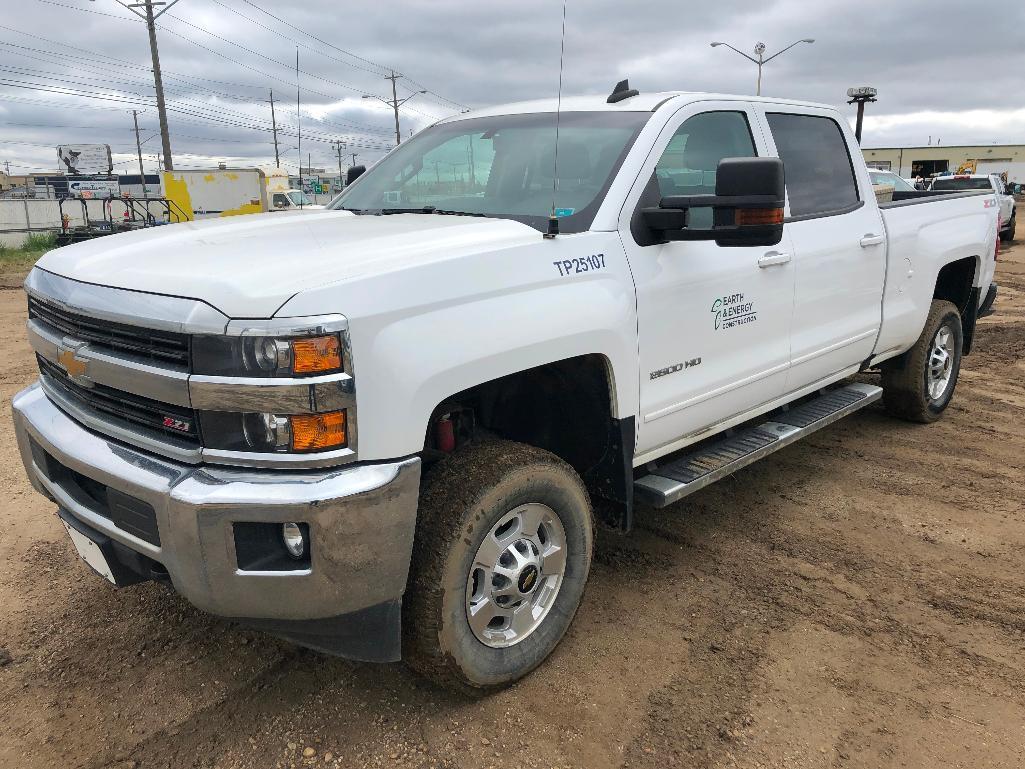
(773, 258)
(872, 240)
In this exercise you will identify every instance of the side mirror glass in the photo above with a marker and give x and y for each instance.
(747, 207)
(353, 174)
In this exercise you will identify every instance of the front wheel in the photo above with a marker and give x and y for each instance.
(501, 556)
(919, 385)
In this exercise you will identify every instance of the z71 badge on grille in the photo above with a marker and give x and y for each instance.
(181, 425)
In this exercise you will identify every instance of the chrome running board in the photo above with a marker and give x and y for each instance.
(677, 478)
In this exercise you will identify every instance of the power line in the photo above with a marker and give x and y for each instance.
(382, 68)
(346, 125)
(294, 41)
(250, 51)
(242, 122)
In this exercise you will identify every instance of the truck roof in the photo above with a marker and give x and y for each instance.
(643, 102)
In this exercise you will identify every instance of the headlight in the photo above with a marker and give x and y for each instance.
(265, 356)
(300, 433)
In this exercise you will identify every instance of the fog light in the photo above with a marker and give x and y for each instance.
(294, 541)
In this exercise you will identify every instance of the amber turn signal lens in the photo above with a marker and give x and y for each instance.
(311, 432)
(749, 216)
(321, 353)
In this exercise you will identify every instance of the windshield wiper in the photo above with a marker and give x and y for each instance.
(459, 213)
(421, 210)
(426, 210)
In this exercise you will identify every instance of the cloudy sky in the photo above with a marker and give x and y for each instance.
(71, 71)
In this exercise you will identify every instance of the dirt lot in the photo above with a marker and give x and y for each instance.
(857, 600)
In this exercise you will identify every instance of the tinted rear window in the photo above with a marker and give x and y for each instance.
(819, 172)
(953, 184)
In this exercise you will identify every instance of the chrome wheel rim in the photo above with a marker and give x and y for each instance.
(516, 575)
(941, 362)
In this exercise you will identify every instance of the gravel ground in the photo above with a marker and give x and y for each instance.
(856, 600)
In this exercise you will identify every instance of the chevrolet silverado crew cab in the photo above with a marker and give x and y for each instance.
(390, 445)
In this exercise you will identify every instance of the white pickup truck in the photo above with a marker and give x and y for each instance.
(389, 445)
(989, 182)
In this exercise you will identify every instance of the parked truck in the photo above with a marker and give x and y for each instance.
(394, 444)
(1006, 206)
(218, 192)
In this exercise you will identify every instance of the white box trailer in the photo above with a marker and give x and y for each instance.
(208, 193)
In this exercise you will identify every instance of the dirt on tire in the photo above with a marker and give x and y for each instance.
(855, 600)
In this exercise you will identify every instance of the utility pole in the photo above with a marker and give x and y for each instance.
(338, 147)
(394, 102)
(274, 129)
(138, 148)
(150, 16)
(7, 166)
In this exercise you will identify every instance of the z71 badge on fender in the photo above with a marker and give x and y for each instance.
(584, 264)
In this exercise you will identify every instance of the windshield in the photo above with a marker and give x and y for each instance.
(502, 167)
(891, 179)
(299, 198)
(962, 183)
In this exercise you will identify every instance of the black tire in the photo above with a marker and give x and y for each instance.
(1008, 234)
(906, 379)
(464, 496)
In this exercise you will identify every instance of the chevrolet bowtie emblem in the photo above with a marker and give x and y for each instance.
(67, 360)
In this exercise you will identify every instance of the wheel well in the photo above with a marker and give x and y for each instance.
(565, 407)
(954, 283)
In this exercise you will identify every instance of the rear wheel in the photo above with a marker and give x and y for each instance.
(919, 385)
(1008, 234)
(502, 552)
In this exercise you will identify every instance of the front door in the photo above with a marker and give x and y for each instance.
(713, 322)
(835, 231)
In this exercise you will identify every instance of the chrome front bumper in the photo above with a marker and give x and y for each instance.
(361, 520)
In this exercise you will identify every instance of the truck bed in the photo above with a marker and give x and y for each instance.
(926, 229)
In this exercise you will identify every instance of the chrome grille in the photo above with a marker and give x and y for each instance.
(159, 346)
(125, 408)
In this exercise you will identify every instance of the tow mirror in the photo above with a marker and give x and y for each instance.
(747, 207)
(354, 173)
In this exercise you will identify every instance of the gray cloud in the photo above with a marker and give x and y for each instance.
(948, 57)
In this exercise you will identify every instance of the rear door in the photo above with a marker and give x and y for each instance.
(714, 322)
(836, 234)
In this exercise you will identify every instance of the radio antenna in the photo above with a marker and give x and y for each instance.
(553, 220)
(299, 125)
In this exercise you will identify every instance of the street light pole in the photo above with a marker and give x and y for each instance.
(394, 102)
(861, 96)
(150, 17)
(760, 53)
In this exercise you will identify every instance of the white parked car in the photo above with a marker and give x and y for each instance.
(388, 445)
(991, 182)
(891, 179)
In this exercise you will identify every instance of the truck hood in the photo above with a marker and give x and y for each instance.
(249, 266)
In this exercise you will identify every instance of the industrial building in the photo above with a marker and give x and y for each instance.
(935, 159)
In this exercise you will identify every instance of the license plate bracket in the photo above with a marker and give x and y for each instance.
(90, 552)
